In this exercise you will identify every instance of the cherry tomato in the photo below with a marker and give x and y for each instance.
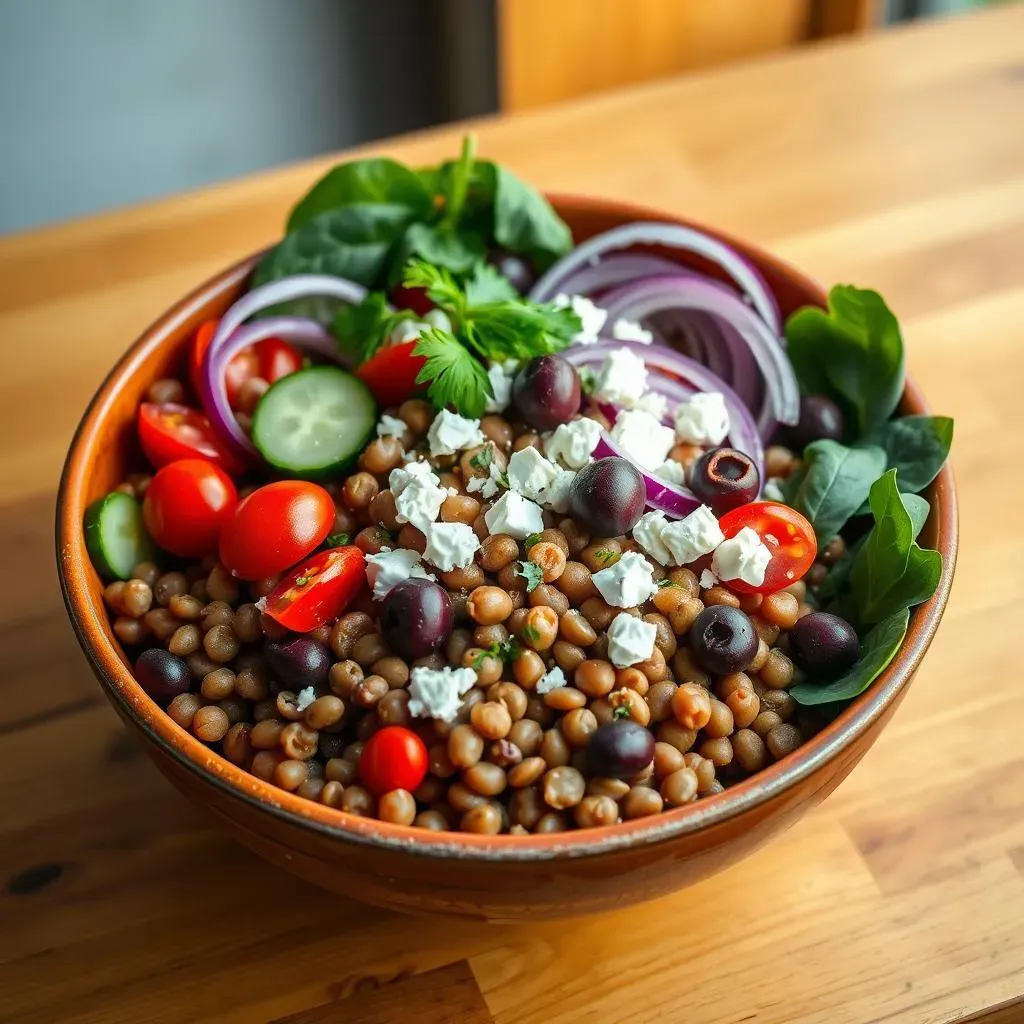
(169, 432)
(270, 359)
(411, 298)
(391, 373)
(786, 533)
(318, 589)
(274, 527)
(393, 758)
(187, 505)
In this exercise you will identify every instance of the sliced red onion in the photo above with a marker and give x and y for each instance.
(738, 268)
(298, 331)
(287, 289)
(670, 498)
(659, 294)
(617, 269)
(678, 378)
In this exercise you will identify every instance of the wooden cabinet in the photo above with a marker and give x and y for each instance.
(551, 50)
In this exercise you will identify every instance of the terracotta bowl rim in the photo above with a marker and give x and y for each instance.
(88, 616)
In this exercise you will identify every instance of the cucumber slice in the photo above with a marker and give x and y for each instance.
(116, 536)
(315, 422)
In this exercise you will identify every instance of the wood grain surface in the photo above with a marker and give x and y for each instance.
(895, 162)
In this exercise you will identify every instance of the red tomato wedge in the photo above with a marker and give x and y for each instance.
(270, 359)
(391, 373)
(318, 589)
(169, 432)
(786, 533)
(415, 299)
(393, 758)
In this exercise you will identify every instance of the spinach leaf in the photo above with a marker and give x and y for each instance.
(488, 284)
(525, 222)
(439, 245)
(352, 242)
(362, 328)
(834, 483)
(916, 446)
(891, 572)
(374, 181)
(853, 353)
(877, 649)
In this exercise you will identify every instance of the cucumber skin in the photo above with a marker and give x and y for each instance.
(333, 468)
(94, 538)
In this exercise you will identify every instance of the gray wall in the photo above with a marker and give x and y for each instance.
(108, 102)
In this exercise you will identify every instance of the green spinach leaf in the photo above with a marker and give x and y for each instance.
(891, 572)
(439, 245)
(852, 353)
(916, 446)
(834, 483)
(487, 284)
(352, 242)
(525, 222)
(877, 649)
(375, 181)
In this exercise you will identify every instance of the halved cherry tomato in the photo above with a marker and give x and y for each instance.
(391, 373)
(186, 506)
(786, 533)
(274, 527)
(270, 359)
(393, 758)
(169, 432)
(318, 590)
(411, 298)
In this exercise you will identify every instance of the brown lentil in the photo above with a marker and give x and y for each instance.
(357, 800)
(182, 709)
(691, 705)
(680, 787)
(777, 671)
(577, 584)
(489, 605)
(563, 787)
(594, 811)
(218, 684)
(595, 678)
(749, 750)
(210, 723)
(642, 802)
(783, 740)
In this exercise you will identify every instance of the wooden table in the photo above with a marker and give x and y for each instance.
(897, 163)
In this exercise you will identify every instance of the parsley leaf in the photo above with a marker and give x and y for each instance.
(622, 711)
(362, 329)
(454, 375)
(483, 458)
(532, 573)
(336, 540)
(533, 538)
(488, 284)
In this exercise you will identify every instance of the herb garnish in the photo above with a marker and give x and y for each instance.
(483, 458)
(336, 540)
(531, 539)
(532, 573)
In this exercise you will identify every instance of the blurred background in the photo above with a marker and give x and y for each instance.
(110, 102)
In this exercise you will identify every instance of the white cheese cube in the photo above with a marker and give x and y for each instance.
(450, 545)
(592, 316)
(451, 433)
(630, 640)
(647, 533)
(438, 693)
(387, 568)
(743, 557)
(703, 420)
(391, 426)
(515, 515)
(690, 538)
(622, 378)
(631, 330)
(550, 681)
(642, 438)
(627, 583)
(573, 443)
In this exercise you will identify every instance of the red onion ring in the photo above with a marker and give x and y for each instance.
(670, 498)
(298, 331)
(738, 268)
(619, 268)
(654, 295)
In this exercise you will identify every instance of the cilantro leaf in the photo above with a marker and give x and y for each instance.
(532, 573)
(455, 376)
(483, 458)
(488, 284)
(441, 287)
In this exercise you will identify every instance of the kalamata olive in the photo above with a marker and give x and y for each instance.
(546, 391)
(299, 662)
(161, 674)
(620, 749)
(724, 479)
(417, 617)
(820, 419)
(723, 639)
(519, 273)
(824, 645)
(608, 497)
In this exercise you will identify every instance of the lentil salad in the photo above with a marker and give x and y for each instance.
(490, 564)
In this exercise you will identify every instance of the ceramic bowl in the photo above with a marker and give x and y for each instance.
(496, 877)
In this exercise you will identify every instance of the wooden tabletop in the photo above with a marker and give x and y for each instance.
(897, 163)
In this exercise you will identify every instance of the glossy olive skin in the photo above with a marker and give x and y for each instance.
(299, 662)
(620, 749)
(723, 639)
(416, 618)
(608, 497)
(518, 271)
(162, 675)
(820, 419)
(724, 479)
(546, 392)
(824, 645)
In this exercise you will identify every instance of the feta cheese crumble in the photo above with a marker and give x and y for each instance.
(304, 698)
(550, 681)
(672, 472)
(500, 375)
(703, 420)
(388, 568)
(515, 515)
(438, 692)
(391, 426)
(655, 404)
(707, 579)
(627, 583)
(743, 557)
(690, 538)
(630, 640)
(631, 330)
(451, 433)
(450, 545)
(573, 443)
(486, 485)
(642, 438)
(418, 494)
(592, 316)
(647, 533)
(622, 378)
(529, 473)
(556, 495)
